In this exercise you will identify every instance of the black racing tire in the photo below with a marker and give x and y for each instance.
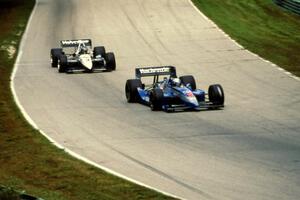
(188, 80)
(131, 92)
(99, 51)
(54, 56)
(62, 64)
(110, 61)
(216, 94)
(156, 99)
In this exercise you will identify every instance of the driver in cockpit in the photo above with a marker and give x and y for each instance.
(175, 82)
(82, 49)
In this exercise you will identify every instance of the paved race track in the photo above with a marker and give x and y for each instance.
(249, 150)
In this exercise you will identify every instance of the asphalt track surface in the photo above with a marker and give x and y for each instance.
(249, 150)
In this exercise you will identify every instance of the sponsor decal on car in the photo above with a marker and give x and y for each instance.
(75, 42)
(189, 94)
(154, 70)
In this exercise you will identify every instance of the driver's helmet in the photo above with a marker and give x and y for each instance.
(176, 82)
(83, 50)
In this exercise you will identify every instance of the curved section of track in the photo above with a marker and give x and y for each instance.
(249, 150)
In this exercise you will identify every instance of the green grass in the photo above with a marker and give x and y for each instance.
(8, 194)
(27, 160)
(260, 26)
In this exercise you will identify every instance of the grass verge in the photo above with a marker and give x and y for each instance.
(27, 160)
(261, 27)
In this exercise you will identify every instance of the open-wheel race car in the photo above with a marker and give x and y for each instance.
(78, 55)
(170, 93)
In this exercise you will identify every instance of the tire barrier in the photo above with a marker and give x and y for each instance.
(292, 5)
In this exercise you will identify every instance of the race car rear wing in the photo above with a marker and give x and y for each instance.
(155, 71)
(74, 43)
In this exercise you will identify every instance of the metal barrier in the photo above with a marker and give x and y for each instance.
(292, 5)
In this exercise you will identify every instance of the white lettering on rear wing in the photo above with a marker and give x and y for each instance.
(154, 70)
(74, 43)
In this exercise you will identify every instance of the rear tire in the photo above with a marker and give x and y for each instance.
(54, 56)
(131, 92)
(99, 51)
(110, 61)
(216, 94)
(188, 80)
(62, 64)
(156, 98)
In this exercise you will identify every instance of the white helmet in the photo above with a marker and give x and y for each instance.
(176, 82)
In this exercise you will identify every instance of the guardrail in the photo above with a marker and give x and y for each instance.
(292, 5)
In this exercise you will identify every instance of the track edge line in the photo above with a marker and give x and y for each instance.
(52, 141)
(287, 73)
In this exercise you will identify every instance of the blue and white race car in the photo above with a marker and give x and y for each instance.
(170, 93)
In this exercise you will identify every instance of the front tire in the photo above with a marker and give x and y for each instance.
(62, 64)
(216, 94)
(185, 80)
(131, 92)
(54, 56)
(110, 61)
(99, 51)
(156, 98)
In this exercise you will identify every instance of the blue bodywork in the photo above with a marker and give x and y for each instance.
(171, 93)
(175, 97)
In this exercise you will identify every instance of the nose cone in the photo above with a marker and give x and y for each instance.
(192, 101)
(86, 61)
(188, 97)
